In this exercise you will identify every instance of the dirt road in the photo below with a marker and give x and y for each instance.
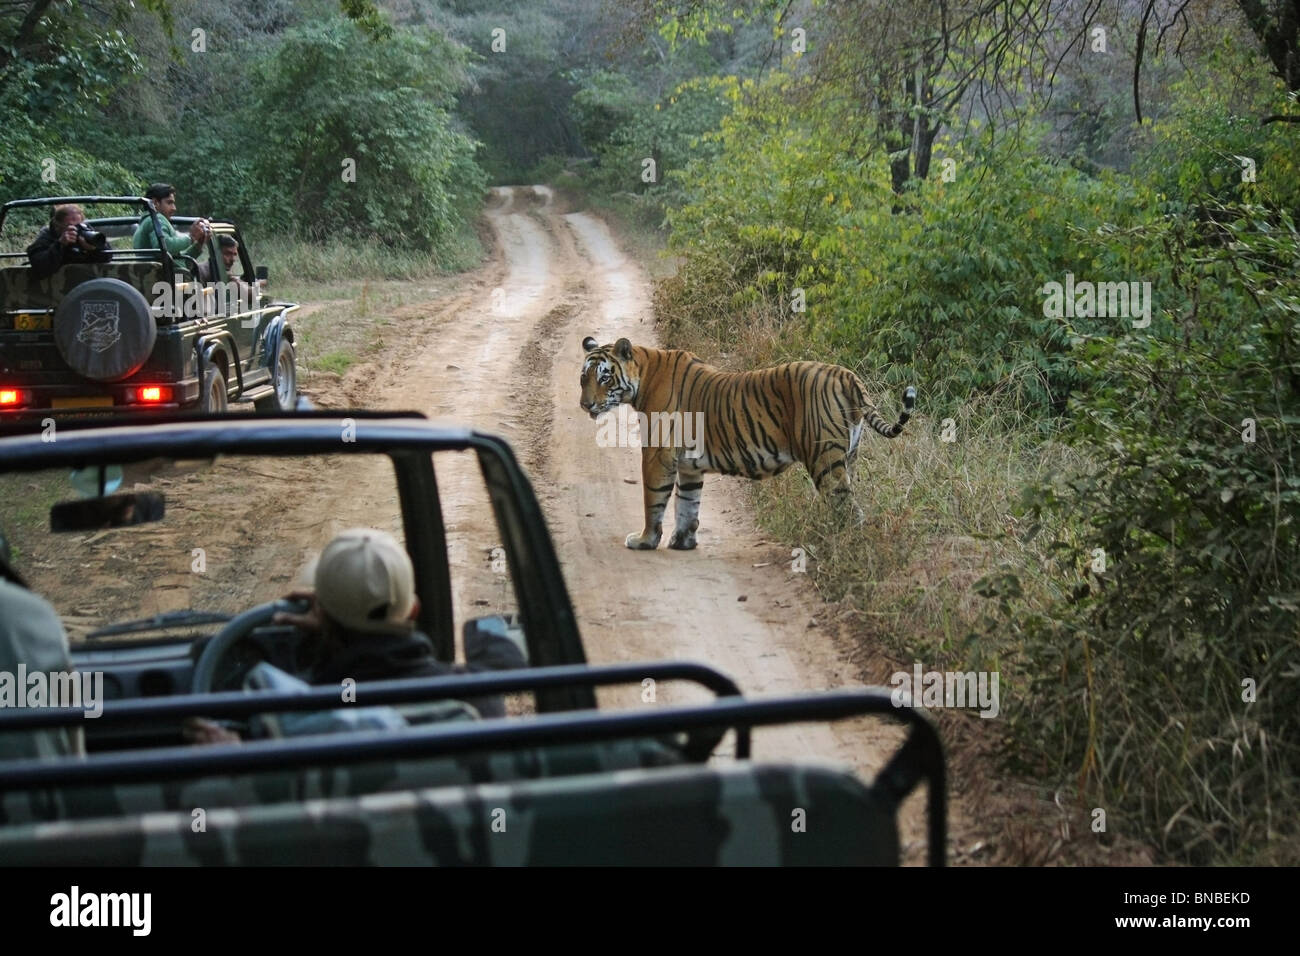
(504, 354)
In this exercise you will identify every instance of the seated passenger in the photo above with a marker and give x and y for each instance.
(163, 198)
(65, 240)
(229, 255)
(32, 634)
(364, 609)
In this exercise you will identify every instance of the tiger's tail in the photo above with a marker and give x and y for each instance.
(878, 423)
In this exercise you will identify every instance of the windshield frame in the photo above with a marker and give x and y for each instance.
(409, 441)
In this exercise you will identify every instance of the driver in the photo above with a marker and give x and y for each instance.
(364, 609)
(362, 613)
(229, 249)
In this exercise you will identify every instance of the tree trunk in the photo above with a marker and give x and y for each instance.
(914, 134)
(26, 30)
(1277, 27)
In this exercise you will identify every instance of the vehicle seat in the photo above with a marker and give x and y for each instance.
(741, 814)
(252, 789)
(20, 289)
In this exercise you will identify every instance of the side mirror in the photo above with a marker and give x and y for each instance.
(261, 273)
(116, 511)
(478, 634)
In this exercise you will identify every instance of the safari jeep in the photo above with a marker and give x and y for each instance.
(140, 333)
(169, 593)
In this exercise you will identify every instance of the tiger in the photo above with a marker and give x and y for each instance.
(755, 424)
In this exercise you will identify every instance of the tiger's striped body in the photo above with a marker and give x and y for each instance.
(755, 424)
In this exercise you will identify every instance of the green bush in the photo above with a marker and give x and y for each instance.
(606, 101)
(939, 287)
(1162, 676)
(330, 100)
(770, 210)
(672, 133)
(951, 293)
(26, 157)
(1211, 144)
(30, 155)
(211, 178)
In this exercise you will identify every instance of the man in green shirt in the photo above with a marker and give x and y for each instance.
(163, 197)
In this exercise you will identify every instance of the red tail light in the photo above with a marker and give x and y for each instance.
(149, 394)
(14, 397)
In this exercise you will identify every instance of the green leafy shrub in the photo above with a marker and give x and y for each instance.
(25, 155)
(1163, 675)
(31, 154)
(330, 99)
(1212, 145)
(769, 209)
(942, 288)
(652, 142)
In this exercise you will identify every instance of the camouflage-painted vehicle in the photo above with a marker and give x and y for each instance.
(557, 781)
(143, 333)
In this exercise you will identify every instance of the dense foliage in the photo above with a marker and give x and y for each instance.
(946, 294)
(357, 135)
(1148, 625)
(1162, 666)
(292, 119)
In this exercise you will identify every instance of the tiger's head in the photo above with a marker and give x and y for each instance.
(610, 376)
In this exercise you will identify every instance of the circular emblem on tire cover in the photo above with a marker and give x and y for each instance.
(104, 330)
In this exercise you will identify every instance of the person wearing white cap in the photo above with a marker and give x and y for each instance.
(365, 584)
(364, 609)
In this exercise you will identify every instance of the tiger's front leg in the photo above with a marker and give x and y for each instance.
(690, 484)
(658, 474)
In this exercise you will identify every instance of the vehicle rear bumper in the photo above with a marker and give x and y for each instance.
(94, 398)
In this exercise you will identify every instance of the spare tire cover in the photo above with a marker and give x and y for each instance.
(104, 329)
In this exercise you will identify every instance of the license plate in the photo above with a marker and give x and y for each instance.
(83, 401)
(32, 321)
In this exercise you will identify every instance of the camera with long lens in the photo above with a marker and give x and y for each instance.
(96, 239)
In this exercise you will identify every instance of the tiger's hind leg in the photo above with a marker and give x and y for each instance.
(658, 473)
(831, 476)
(690, 484)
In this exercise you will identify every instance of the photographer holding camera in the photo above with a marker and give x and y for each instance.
(67, 239)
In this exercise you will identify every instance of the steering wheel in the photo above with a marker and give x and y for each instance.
(234, 631)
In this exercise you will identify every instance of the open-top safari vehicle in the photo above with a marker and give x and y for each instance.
(557, 781)
(146, 333)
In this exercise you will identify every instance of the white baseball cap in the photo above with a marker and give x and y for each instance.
(365, 582)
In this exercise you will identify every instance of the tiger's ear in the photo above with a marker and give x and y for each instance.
(623, 349)
(589, 344)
